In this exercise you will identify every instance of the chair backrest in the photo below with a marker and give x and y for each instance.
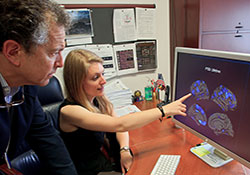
(51, 93)
(50, 97)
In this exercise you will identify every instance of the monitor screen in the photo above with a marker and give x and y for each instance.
(219, 109)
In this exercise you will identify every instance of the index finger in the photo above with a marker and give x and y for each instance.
(182, 99)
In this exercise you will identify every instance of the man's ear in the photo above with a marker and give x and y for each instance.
(11, 50)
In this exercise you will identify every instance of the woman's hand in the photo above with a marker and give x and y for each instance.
(126, 161)
(177, 107)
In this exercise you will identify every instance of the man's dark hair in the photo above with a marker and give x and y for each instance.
(28, 21)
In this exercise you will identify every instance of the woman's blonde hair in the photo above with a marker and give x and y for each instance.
(74, 72)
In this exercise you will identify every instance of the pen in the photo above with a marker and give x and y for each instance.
(199, 144)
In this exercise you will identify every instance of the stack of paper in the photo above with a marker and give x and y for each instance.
(127, 110)
(118, 94)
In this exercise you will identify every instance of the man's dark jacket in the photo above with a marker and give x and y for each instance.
(30, 125)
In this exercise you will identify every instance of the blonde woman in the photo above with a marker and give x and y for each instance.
(86, 114)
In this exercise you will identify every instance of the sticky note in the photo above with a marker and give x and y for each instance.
(201, 151)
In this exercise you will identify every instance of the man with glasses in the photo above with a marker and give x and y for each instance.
(32, 36)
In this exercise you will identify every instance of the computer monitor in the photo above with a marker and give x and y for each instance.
(219, 109)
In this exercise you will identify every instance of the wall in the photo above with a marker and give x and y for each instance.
(139, 81)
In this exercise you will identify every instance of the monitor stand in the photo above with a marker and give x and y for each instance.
(210, 155)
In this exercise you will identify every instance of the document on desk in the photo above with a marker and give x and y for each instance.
(118, 94)
(126, 110)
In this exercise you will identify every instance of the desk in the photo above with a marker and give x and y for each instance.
(148, 142)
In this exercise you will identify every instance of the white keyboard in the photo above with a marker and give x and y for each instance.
(166, 164)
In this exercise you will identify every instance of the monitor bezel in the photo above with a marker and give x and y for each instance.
(215, 53)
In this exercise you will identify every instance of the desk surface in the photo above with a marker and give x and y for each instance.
(157, 138)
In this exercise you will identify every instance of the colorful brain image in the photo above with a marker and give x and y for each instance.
(224, 98)
(199, 90)
(220, 124)
(197, 114)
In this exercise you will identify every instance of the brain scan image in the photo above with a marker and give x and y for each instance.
(199, 90)
(220, 124)
(197, 114)
(224, 98)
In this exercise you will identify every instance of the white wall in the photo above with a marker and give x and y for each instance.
(139, 81)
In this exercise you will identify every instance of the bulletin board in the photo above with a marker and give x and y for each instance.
(102, 19)
(128, 57)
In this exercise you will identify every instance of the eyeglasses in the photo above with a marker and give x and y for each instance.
(18, 99)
